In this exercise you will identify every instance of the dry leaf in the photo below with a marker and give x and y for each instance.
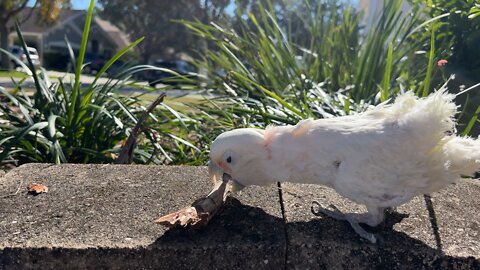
(35, 189)
(201, 211)
(185, 217)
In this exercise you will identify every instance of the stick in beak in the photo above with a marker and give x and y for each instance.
(217, 174)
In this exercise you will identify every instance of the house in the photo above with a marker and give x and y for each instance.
(105, 39)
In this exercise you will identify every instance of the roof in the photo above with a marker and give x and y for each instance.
(32, 25)
(115, 34)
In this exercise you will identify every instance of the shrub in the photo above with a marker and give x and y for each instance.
(262, 72)
(314, 61)
(70, 122)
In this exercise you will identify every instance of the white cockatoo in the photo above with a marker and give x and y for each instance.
(380, 158)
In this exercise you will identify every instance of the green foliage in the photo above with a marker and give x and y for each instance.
(461, 32)
(457, 39)
(313, 61)
(474, 11)
(431, 55)
(70, 122)
(275, 64)
(471, 123)
(268, 73)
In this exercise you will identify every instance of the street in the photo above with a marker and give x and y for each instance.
(138, 87)
(54, 75)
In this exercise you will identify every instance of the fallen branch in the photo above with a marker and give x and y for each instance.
(126, 155)
(201, 211)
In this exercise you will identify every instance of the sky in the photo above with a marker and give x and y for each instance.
(80, 4)
(77, 4)
(83, 4)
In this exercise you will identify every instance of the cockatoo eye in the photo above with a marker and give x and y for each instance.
(229, 157)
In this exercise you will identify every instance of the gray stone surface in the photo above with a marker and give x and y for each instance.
(101, 216)
(445, 237)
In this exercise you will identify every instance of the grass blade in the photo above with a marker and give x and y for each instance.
(388, 73)
(431, 55)
(471, 122)
(81, 56)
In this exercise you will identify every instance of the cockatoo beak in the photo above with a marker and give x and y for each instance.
(217, 174)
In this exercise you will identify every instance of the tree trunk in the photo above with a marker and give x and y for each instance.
(5, 63)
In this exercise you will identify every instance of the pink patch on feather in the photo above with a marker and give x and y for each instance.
(302, 128)
(266, 146)
(268, 135)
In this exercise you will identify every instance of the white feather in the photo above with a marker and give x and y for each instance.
(380, 158)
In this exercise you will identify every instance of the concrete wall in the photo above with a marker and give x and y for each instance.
(101, 216)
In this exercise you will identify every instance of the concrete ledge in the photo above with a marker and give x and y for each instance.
(101, 216)
(438, 233)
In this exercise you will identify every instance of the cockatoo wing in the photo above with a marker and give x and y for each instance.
(382, 157)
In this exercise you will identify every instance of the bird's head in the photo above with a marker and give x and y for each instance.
(240, 156)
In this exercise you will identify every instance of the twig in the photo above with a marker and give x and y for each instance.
(126, 155)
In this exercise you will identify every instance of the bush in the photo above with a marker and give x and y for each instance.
(276, 75)
(256, 72)
(261, 71)
(265, 72)
(70, 122)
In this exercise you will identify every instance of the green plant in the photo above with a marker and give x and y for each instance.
(71, 122)
(269, 73)
(310, 61)
(460, 36)
(313, 61)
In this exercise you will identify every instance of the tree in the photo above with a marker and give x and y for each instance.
(155, 20)
(10, 10)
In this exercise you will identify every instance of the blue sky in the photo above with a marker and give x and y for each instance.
(77, 4)
(80, 4)
(83, 4)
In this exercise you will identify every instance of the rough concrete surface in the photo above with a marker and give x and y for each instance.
(445, 236)
(101, 217)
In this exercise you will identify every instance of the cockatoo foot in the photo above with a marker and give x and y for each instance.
(353, 218)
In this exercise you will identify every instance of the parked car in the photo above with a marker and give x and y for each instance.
(117, 67)
(156, 76)
(93, 63)
(20, 54)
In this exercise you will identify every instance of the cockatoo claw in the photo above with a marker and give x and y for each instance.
(361, 232)
(335, 214)
(353, 219)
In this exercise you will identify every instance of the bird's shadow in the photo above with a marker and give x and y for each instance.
(241, 224)
(235, 222)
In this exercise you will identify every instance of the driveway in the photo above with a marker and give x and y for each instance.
(85, 79)
(53, 75)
